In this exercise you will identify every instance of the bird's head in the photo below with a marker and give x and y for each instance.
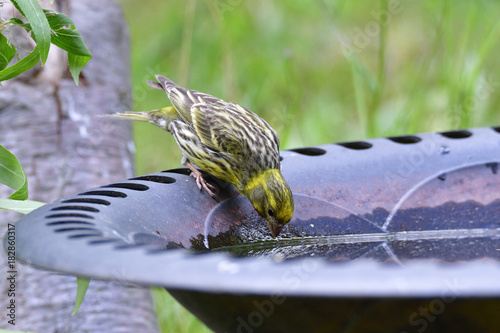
(272, 198)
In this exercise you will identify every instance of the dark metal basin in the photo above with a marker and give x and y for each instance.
(389, 234)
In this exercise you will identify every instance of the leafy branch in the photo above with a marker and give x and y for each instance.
(46, 27)
(12, 175)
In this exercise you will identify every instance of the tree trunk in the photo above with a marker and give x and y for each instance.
(52, 127)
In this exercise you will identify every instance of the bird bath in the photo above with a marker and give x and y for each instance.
(389, 234)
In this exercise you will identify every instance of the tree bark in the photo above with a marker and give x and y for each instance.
(53, 128)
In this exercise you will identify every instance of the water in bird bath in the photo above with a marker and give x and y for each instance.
(452, 219)
(460, 238)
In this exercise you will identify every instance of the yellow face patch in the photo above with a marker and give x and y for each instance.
(269, 192)
(262, 179)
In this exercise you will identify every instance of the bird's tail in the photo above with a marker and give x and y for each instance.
(129, 115)
(161, 117)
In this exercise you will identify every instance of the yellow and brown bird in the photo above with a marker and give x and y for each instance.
(228, 141)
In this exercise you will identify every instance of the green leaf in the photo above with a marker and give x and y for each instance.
(67, 37)
(76, 64)
(71, 41)
(64, 35)
(20, 206)
(21, 66)
(7, 52)
(12, 175)
(58, 20)
(33, 12)
(20, 23)
(81, 290)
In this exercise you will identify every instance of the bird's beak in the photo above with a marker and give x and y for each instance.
(275, 229)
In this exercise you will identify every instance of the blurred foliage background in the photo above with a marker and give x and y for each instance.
(319, 71)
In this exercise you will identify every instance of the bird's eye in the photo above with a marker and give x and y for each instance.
(270, 212)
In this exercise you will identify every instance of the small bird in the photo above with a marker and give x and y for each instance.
(228, 141)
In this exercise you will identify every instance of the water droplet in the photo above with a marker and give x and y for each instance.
(278, 257)
(493, 166)
(445, 150)
(227, 267)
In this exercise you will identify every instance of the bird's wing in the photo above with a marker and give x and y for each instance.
(220, 125)
(179, 96)
(216, 129)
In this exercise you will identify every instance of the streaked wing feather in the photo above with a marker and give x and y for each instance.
(177, 95)
(202, 127)
(218, 129)
(181, 101)
(227, 141)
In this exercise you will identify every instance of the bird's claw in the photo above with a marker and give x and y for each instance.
(202, 183)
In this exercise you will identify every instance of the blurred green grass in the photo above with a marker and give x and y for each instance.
(318, 71)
